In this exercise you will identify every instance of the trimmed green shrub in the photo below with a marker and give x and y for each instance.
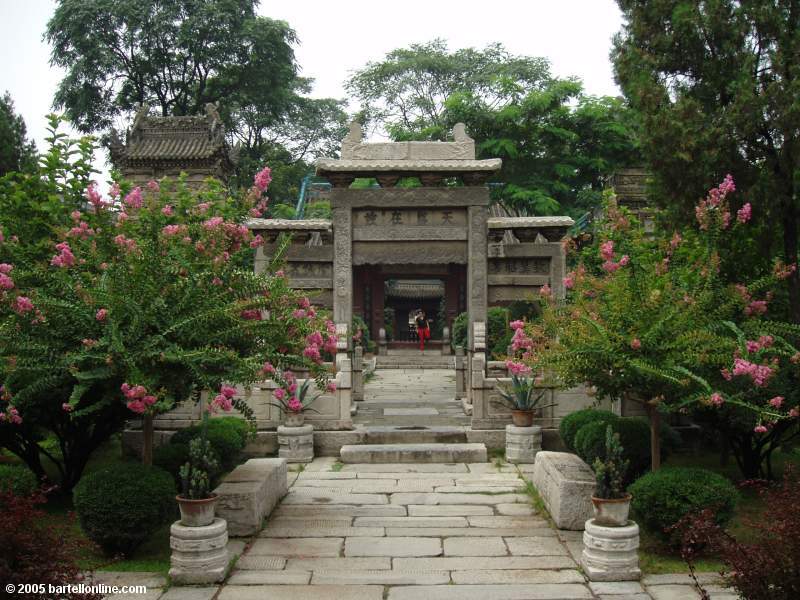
(119, 507)
(18, 479)
(171, 458)
(496, 329)
(574, 421)
(634, 435)
(519, 310)
(361, 324)
(662, 498)
(459, 334)
(228, 437)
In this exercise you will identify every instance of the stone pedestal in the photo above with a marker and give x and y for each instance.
(523, 443)
(566, 485)
(609, 553)
(199, 554)
(296, 444)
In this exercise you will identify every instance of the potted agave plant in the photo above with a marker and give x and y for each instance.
(522, 396)
(611, 501)
(295, 402)
(196, 502)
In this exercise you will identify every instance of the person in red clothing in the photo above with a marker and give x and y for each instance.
(423, 329)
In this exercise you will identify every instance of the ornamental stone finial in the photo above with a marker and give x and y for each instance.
(353, 138)
(460, 133)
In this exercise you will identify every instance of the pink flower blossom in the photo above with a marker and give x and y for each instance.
(252, 314)
(760, 374)
(172, 230)
(167, 211)
(256, 241)
(11, 415)
(294, 405)
(569, 281)
(777, 401)
(756, 307)
(518, 324)
(153, 186)
(228, 391)
(126, 244)
(6, 283)
(783, 271)
(6, 268)
(114, 191)
(137, 406)
(795, 412)
(76, 215)
(675, 241)
(213, 223)
(752, 347)
(624, 260)
(66, 407)
(315, 339)
(607, 250)
(134, 198)
(222, 401)
(545, 291)
(743, 214)
(65, 257)
(262, 179)
(760, 429)
(298, 313)
(312, 352)
(636, 343)
(216, 281)
(279, 393)
(203, 207)
(268, 368)
(93, 196)
(331, 387)
(22, 305)
(610, 266)
(517, 368)
(717, 399)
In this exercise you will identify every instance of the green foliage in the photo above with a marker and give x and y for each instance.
(198, 473)
(227, 436)
(522, 394)
(460, 331)
(497, 331)
(161, 302)
(17, 153)
(171, 457)
(121, 506)
(573, 422)
(663, 497)
(19, 479)
(556, 143)
(360, 332)
(611, 470)
(634, 435)
(388, 322)
(714, 85)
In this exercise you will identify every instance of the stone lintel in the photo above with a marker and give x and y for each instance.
(289, 224)
(519, 280)
(427, 198)
(550, 249)
(408, 233)
(299, 253)
(529, 222)
(432, 252)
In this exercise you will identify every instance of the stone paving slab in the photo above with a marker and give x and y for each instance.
(468, 498)
(320, 496)
(341, 563)
(517, 576)
(473, 489)
(296, 547)
(283, 577)
(321, 532)
(508, 521)
(535, 546)
(491, 592)
(470, 531)
(515, 509)
(425, 510)
(260, 563)
(411, 522)
(190, 593)
(382, 577)
(673, 592)
(396, 546)
(614, 588)
(475, 546)
(301, 592)
(340, 510)
(454, 563)
(406, 468)
(377, 486)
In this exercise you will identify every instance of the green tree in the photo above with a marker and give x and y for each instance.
(716, 86)
(178, 55)
(17, 153)
(556, 143)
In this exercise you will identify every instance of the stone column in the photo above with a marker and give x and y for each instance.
(296, 444)
(477, 290)
(461, 373)
(523, 443)
(358, 373)
(342, 265)
(610, 553)
(558, 270)
(199, 554)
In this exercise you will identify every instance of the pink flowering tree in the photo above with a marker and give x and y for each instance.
(650, 319)
(140, 300)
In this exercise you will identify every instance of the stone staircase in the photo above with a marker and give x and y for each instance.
(414, 359)
(413, 453)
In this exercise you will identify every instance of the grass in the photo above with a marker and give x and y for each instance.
(537, 502)
(337, 466)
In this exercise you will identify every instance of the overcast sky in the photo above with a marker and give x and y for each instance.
(339, 37)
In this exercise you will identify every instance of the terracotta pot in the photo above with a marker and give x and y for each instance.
(611, 512)
(197, 513)
(522, 418)
(294, 419)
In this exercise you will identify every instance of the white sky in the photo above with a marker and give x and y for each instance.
(339, 37)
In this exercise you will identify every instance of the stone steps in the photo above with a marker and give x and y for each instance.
(411, 361)
(413, 453)
(411, 434)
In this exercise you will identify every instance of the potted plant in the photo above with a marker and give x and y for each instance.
(294, 401)
(522, 397)
(196, 502)
(611, 501)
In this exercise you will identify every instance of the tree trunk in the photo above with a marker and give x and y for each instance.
(147, 440)
(655, 435)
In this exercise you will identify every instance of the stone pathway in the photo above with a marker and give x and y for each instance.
(413, 532)
(411, 398)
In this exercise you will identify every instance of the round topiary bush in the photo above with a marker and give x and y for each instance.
(571, 424)
(458, 337)
(20, 480)
(662, 498)
(119, 507)
(634, 435)
(171, 458)
(227, 435)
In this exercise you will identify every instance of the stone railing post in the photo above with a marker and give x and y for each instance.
(358, 374)
(446, 341)
(382, 346)
(461, 373)
(344, 387)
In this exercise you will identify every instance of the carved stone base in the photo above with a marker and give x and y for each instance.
(523, 443)
(296, 444)
(609, 553)
(199, 554)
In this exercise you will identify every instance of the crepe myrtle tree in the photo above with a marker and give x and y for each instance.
(650, 319)
(139, 303)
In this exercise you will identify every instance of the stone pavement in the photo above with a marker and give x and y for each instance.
(416, 532)
(411, 398)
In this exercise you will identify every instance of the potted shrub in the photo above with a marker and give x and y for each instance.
(611, 502)
(196, 501)
(522, 396)
(294, 401)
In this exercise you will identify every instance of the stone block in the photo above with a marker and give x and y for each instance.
(422, 510)
(528, 591)
(566, 485)
(413, 453)
(301, 592)
(610, 553)
(249, 493)
(522, 444)
(296, 444)
(535, 546)
(382, 577)
(397, 546)
(474, 546)
(500, 576)
(296, 547)
(494, 563)
(199, 554)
